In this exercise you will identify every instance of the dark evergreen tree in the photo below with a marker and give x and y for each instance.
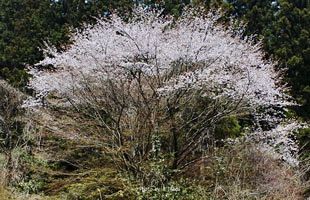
(284, 27)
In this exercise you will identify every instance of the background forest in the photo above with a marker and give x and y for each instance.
(39, 164)
(26, 25)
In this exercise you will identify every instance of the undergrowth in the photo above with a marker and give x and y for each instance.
(228, 172)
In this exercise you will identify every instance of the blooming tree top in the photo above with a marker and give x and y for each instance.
(214, 60)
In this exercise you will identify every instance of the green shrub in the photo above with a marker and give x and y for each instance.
(228, 128)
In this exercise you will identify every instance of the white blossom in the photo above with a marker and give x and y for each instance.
(113, 47)
(279, 142)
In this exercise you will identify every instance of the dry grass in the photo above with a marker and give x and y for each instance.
(248, 173)
(244, 172)
(5, 195)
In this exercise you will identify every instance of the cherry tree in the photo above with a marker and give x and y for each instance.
(158, 77)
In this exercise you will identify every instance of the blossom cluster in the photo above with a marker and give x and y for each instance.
(279, 142)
